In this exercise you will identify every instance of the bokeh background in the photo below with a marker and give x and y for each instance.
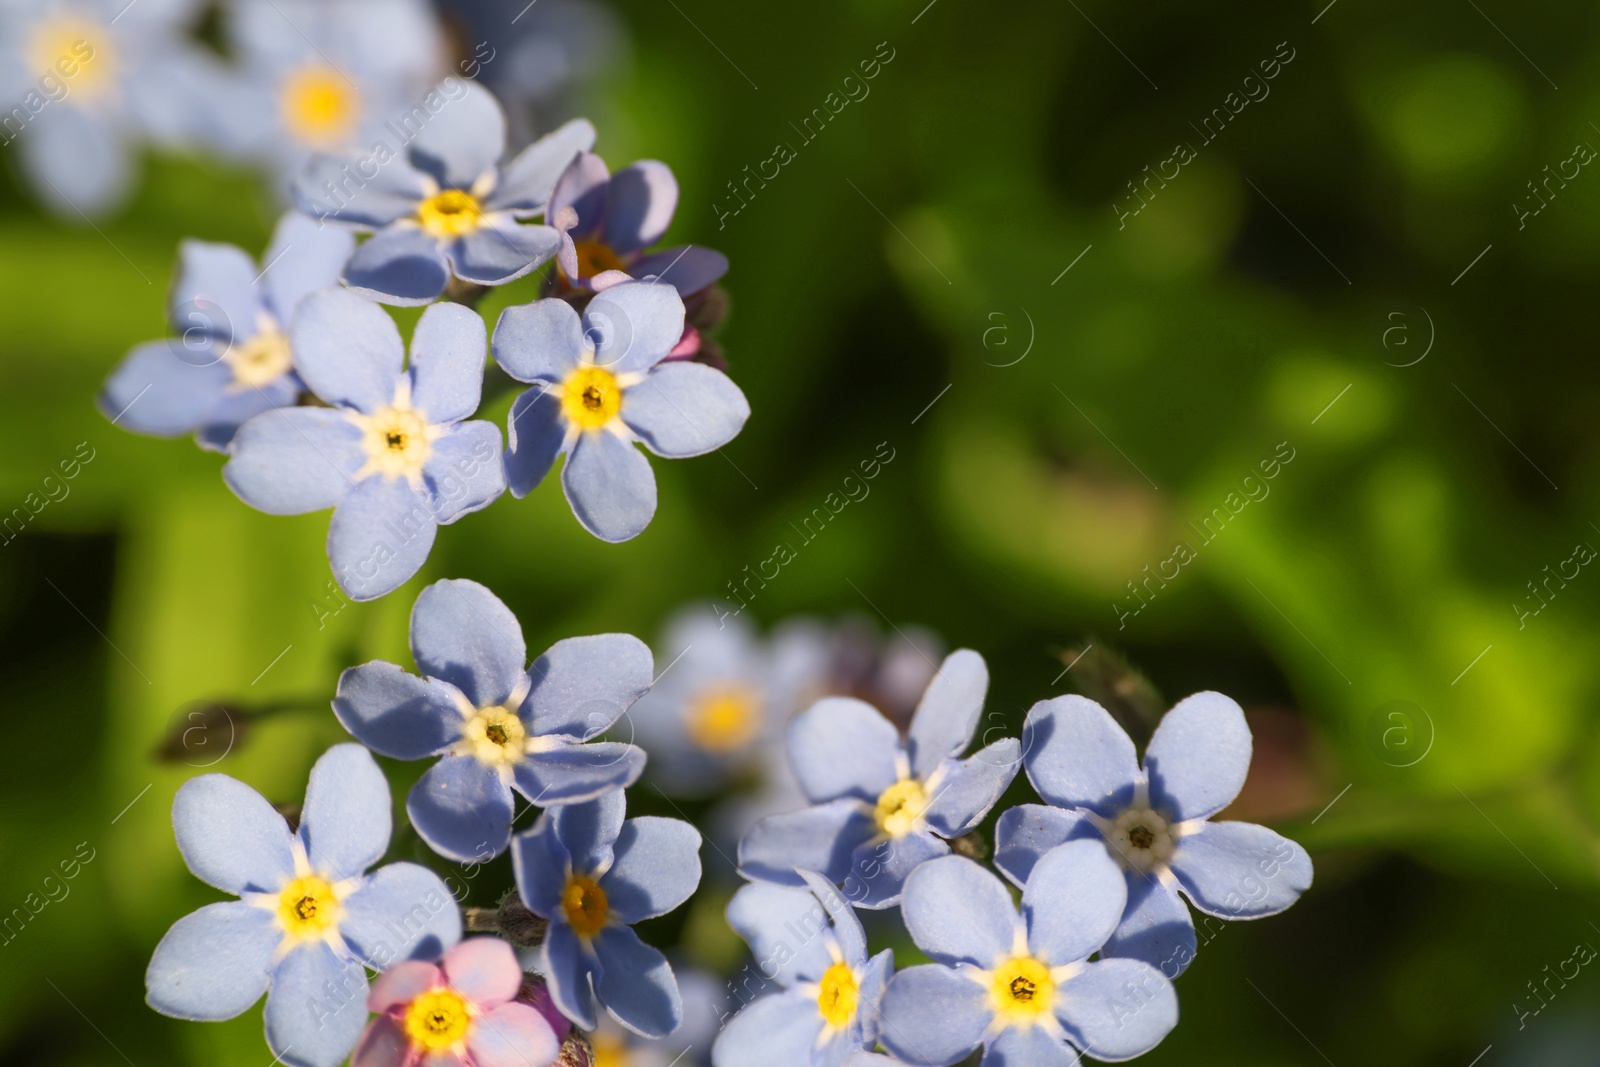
(953, 270)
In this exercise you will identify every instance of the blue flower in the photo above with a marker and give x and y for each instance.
(309, 918)
(882, 805)
(593, 876)
(1153, 822)
(608, 220)
(1022, 986)
(393, 453)
(705, 1006)
(811, 944)
(232, 360)
(498, 723)
(444, 208)
(602, 385)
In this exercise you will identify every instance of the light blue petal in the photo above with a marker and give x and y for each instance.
(463, 141)
(464, 472)
(401, 265)
(395, 713)
(582, 187)
(402, 912)
(535, 434)
(636, 983)
(1073, 902)
(869, 1004)
(1237, 870)
(165, 389)
(947, 715)
(1199, 756)
(1155, 928)
(448, 353)
(589, 831)
(316, 1008)
(841, 746)
(610, 486)
(633, 325)
(347, 350)
(1033, 1046)
(1077, 756)
(334, 189)
(304, 256)
(957, 912)
(639, 205)
(289, 461)
(77, 162)
(539, 863)
(230, 836)
(462, 809)
(879, 868)
(464, 634)
(688, 269)
(214, 963)
(566, 974)
(933, 1016)
(1026, 832)
(380, 536)
(785, 929)
(346, 819)
(233, 409)
(821, 838)
(576, 772)
(781, 1028)
(657, 867)
(967, 789)
(214, 291)
(497, 253)
(581, 685)
(528, 180)
(1117, 1009)
(847, 928)
(541, 341)
(685, 409)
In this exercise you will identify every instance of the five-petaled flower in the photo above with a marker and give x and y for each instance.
(309, 917)
(1153, 822)
(593, 875)
(601, 384)
(497, 722)
(394, 454)
(232, 360)
(827, 1006)
(1022, 986)
(881, 805)
(445, 209)
(461, 1013)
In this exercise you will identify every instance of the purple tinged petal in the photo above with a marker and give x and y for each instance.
(1237, 870)
(633, 325)
(1073, 902)
(957, 912)
(400, 265)
(575, 773)
(1155, 928)
(1199, 756)
(462, 809)
(392, 193)
(566, 974)
(484, 970)
(403, 983)
(214, 963)
(464, 140)
(1117, 1009)
(933, 1016)
(685, 409)
(304, 256)
(640, 205)
(964, 791)
(535, 436)
(464, 472)
(464, 634)
(821, 838)
(539, 863)
(448, 352)
(636, 983)
(1026, 832)
(385, 1043)
(512, 1035)
(289, 461)
(947, 715)
(215, 292)
(582, 187)
(841, 746)
(306, 1025)
(688, 269)
(230, 836)
(656, 868)
(497, 253)
(397, 714)
(541, 341)
(346, 819)
(1077, 756)
(527, 181)
(610, 486)
(380, 536)
(403, 911)
(589, 831)
(347, 350)
(582, 685)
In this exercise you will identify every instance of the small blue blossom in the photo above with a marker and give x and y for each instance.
(232, 360)
(309, 918)
(810, 943)
(444, 209)
(1022, 985)
(497, 722)
(705, 1007)
(603, 384)
(593, 875)
(393, 454)
(882, 806)
(1153, 822)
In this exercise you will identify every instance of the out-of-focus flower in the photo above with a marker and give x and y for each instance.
(1022, 986)
(704, 1006)
(603, 384)
(395, 454)
(1153, 821)
(496, 722)
(232, 359)
(594, 875)
(441, 206)
(887, 670)
(461, 1013)
(309, 917)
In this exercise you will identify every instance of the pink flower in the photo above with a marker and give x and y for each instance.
(461, 1012)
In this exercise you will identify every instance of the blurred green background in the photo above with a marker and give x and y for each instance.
(1297, 289)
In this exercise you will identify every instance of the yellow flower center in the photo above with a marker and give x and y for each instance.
(585, 905)
(319, 107)
(609, 1050)
(590, 397)
(595, 257)
(900, 807)
(261, 360)
(308, 908)
(496, 736)
(451, 213)
(1022, 990)
(723, 718)
(836, 995)
(438, 1019)
(60, 46)
(397, 441)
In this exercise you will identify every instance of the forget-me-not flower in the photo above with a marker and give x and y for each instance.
(602, 385)
(232, 359)
(497, 722)
(444, 208)
(308, 918)
(393, 454)
(881, 805)
(1022, 986)
(1153, 821)
(593, 875)
(810, 942)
